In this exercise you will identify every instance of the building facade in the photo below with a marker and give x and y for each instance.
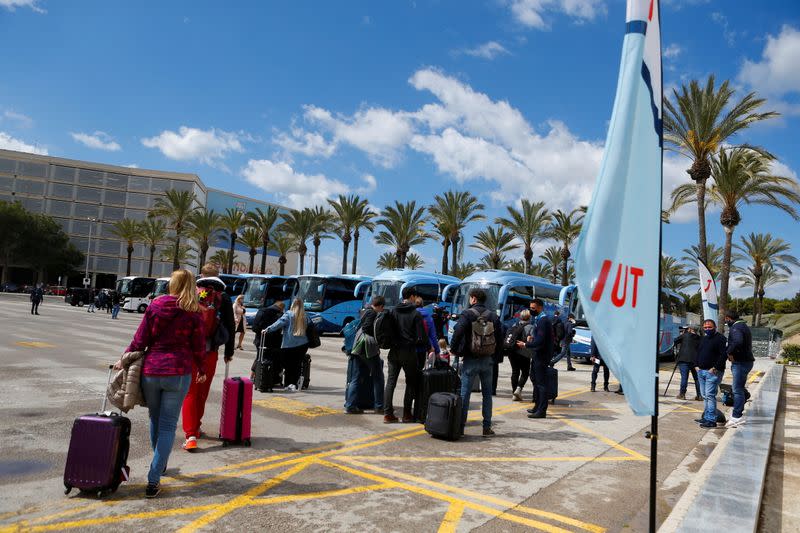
(86, 198)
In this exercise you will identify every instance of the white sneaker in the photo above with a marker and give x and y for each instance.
(291, 388)
(735, 422)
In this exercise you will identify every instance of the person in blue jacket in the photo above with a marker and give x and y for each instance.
(740, 354)
(542, 345)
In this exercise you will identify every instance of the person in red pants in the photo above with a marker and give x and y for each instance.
(217, 312)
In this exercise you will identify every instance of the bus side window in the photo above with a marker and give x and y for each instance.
(428, 292)
(519, 298)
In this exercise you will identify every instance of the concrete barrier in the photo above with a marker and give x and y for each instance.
(726, 492)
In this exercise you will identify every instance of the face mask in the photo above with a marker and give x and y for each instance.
(709, 332)
(729, 322)
(534, 312)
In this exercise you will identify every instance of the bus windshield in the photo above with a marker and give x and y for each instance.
(389, 289)
(461, 297)
(260, 292)
(124, 287)
(160, 288)
(135, 287)
(312, 292)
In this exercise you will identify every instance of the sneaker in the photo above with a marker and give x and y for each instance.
(291, 388)
(191, 444)
(390, 419)
(537, 414)
(698, 398)
(152, 490)
(735, 422)
(593, 389)
(516, 396)
(408, 419)
(571, 369)
(619, 391)
(605, 388)
(681, 396)
(353, 411)
(488, 432)
(707, 424)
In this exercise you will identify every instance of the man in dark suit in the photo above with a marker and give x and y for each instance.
(542, 346)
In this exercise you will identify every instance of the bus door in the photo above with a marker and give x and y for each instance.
(513, 299)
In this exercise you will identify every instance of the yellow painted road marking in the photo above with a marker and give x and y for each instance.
(35, 344)
(322, 494)
(62, 514)
(451, 518)
(505, 515)
(754, 376)
(606, 440)
(242, 500)
(415, 459)
(295, 407)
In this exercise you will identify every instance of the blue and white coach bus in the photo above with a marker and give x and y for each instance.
(390, 285)
(330, 300)
(507, 293)
(264, 290)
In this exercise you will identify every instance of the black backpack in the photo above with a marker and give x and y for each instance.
(386, 330)
(513, 335)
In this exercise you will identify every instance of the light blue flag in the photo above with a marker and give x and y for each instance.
(708, 292)
(617, 260)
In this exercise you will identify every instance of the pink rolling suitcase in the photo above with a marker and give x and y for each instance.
(237, 404)
(98, 452)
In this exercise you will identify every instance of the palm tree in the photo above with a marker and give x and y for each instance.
(222, 258)
(542, 270)
(714, 254)
(363, 219)
(741, 175)
(203, 228)
(186, 253)
(515, 265)
(414, 261)
(129, 231)
(322, 225)
(698, 123)
(283, 244)
(251, 238)
(404, 225)
(232, 221)
(552, 258)
(462, 270)
(495, 242)
(528, 224)
(451, 213)
(565, 228)
(350, 213)
(387, 261)
(263, 221)
(673, 274)
(176, 207)
(299, 225)
(765, 251)
(154, 231)
(769, 276)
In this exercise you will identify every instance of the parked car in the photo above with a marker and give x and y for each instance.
(57, 290)
(78, 296)
(9, 286)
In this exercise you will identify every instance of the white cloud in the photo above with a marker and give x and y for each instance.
(777, 74)
(11, 5)
(98, 140)
(7, 142)
(132, 165)
(293, 188)
(192, 144)
(729, 35)
(488, 50)
(532, 13)
(370, 184)
(672, 51)
(299, 141)
(22, 120)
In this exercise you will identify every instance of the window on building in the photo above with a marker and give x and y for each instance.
(89, 194)
(79, 243)
(90, 177)
(30, 186)
(8, 165)
(138, 200)
(108, 247)
(108, 264)
(59, 208)
(61, 190)
(66, 174)
(135, 214)
(29, 168)
(179, 185)
(159, 185)
(113, 197)
(34, 205)
(87, 211)
(113, 213)
(137, 183)
(6, 183)
(116, 181)
(64, 223)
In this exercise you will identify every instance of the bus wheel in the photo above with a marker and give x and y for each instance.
(142, 308)
(80, 303)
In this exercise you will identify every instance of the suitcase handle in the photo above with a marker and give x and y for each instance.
(105, 391)
(227, 364)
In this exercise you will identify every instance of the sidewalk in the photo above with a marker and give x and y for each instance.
(779, 509)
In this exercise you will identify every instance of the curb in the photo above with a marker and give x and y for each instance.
(703, 500)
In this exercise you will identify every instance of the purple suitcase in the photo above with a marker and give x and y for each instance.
(98, 452)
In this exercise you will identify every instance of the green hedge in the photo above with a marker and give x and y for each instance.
(791, 352)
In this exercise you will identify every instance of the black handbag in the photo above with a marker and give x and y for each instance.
(312, 333)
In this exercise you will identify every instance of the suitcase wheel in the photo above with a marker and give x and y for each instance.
(67, 489)
(247, 443)
(224, 444)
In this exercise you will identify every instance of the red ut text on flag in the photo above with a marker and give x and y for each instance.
(621, 279)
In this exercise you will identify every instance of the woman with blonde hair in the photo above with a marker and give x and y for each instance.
(294, 344)
(172, 337)
(238, 319)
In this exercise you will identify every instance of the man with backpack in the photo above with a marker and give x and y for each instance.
(401, 331)
(541, 344)
(563, 332)
(478, 340)
(216, 311)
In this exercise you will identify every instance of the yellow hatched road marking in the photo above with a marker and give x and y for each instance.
(414, 459)
(754, 376)
(322, 494)
(451, 518)
(35, 344)
(295, 407)
(606, 440)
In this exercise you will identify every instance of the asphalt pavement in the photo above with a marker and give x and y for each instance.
(313, 468)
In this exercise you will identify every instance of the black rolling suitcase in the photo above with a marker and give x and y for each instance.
(435, 380)
(444, 416)
(98, 452)
(264, 379)
(552, 384)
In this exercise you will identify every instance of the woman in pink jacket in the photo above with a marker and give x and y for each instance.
(172, 337)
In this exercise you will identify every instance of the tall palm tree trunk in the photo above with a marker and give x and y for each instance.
(356, 235)
(445, 249)
(317, 242)
(150, 263)
(701, 220)
(345, 247)
(454, 260)
(264, 249)
(756, 302)
(528, 259)
(565, 256)
(203, 254)
(725, 277)
(128, 266)
(302, 251)
(282, 263)
(230, 259)
(252, 261)
(175, 262)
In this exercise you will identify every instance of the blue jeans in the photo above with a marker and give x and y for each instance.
(115, 311)
(374, 367)
(740, 371)
(708, 384)
(483, 368)
(164, 396)
(685, 368)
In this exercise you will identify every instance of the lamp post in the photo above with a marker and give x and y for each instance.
(86, 280)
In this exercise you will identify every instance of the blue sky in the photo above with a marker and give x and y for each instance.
(295, 102)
